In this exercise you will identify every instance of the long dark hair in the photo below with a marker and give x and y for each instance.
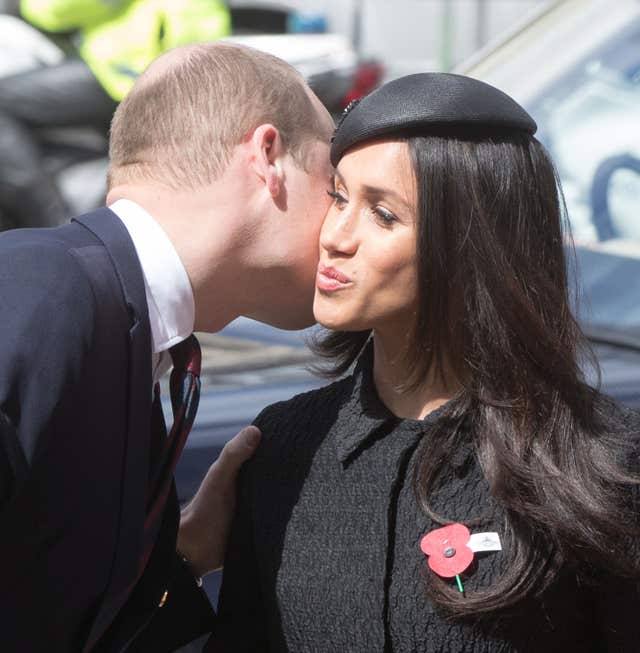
(494, 309)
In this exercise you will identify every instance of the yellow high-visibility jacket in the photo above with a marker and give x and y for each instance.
(120, 38)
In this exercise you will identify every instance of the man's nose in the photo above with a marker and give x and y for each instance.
(339, 232)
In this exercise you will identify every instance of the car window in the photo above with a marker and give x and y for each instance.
(576, 69)
(589, 120)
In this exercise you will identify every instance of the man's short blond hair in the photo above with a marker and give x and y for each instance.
(182, 119)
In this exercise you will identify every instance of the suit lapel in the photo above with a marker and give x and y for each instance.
(113, 234)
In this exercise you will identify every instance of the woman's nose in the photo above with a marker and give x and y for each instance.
(338, 233)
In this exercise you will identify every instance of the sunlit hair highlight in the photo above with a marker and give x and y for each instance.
(182, 119)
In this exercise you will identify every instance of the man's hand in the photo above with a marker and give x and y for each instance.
(206, 520)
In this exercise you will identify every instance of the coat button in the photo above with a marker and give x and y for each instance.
(163, 600)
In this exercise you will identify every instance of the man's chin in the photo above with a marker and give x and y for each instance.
(287, 322)
(296, 324)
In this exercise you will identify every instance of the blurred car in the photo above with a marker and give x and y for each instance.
(576, 68)
(327, 61)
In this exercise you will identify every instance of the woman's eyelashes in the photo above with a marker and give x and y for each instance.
(338, 198)
(382, 215)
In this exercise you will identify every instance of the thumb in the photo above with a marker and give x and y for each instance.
(238, 450)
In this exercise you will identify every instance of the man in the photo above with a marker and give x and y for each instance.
(219, 167)
(115, 41)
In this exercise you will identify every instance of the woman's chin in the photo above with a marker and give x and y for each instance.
(336, 322)
(329, 323)
(328, 319)
(337, 316)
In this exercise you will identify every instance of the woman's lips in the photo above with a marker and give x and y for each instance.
(330, 279)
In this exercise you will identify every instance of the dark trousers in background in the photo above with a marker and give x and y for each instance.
(55, 96)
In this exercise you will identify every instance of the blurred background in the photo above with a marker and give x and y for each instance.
(64, 65)
(574, 64)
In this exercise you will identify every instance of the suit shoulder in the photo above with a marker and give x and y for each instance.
(47, 323)
(38, 260)
(43, 288)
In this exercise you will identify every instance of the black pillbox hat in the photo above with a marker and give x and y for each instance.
(428, 101)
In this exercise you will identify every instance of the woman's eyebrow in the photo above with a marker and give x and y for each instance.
(376, 191)
(379, 191)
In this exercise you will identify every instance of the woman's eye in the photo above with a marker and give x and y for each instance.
(385, 217)
(339, 199)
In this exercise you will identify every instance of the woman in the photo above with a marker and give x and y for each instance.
(442, 272)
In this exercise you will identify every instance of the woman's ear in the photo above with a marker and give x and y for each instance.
(267, 153)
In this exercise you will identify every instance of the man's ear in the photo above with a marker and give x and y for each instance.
(268, 150)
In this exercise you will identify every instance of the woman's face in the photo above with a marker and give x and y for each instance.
(367, 272)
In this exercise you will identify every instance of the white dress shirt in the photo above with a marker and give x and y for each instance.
(166, 283)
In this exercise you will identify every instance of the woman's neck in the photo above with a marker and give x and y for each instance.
(390, 374)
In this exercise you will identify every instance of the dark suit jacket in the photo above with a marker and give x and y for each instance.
(75, 449)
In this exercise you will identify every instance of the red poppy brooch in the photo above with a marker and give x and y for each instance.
(450, 549)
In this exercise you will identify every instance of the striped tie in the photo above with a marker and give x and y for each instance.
(184, 385)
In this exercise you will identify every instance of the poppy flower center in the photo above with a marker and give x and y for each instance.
(449, 552)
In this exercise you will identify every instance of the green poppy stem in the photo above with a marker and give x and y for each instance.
(459, 584)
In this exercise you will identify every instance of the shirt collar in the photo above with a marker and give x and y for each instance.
(368, 418)
(167, 285)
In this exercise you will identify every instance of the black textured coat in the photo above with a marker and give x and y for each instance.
(325, 550)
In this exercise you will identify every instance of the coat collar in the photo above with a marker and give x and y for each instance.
(367, 416)
(108, 228)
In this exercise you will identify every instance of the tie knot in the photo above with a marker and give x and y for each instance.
(186, 356)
